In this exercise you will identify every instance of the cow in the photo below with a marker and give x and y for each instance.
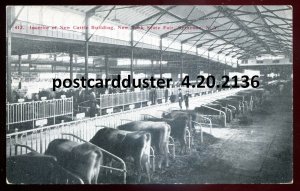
(83, 159)
(36, 168)
(178, 128)
(126, 144)
(189, 114)
(160, 133)
(30, 168)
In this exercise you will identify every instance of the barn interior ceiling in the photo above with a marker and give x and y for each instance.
(240, 32)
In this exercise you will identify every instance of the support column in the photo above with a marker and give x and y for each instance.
(75, 61)
(106, 65)
(131, 56)
(208, 65)
(152, 72)
(53, 66)
(20, 63)
(86, 53)
(160, 57)
(181, 67)
(71, 66)
(9, 19)
(197, 65)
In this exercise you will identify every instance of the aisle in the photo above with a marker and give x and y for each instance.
(257, 153)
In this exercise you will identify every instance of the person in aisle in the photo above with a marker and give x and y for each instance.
(180, 98)
(166, 95)
(172, 98)
(186, 100)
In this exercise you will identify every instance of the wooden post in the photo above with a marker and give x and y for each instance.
(86, 55)
(152, 72)
(20, 63)
(181, 68)
(131, 57)
(160, 57)
(71, 66)
(9, 19)
(106, 65)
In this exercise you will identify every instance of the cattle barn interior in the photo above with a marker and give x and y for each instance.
(190, 135)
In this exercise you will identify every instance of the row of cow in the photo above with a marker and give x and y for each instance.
(133, 140)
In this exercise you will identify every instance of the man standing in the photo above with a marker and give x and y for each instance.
(172, 98)
(166, 95)
(186, 100)
(180, 98)
(151, 96)
(154, 96)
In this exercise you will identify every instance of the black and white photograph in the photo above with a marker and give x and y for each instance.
(149, 94)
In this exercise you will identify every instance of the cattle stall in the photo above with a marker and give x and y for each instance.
(39, 138)
(37, 110)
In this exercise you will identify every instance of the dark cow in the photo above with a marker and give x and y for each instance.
(126, 144)
(83, 159)
(193, 115)
(31, 168)
(178, 128)
(189, 114)
(36, 168)
(160, 133)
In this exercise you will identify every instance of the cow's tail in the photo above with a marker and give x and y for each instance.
(167, 136)
(99, 162)
(145, 153)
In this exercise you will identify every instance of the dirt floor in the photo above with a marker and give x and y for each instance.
(259, 152)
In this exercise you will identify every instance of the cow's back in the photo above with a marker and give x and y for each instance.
(87, 159)
(83, 159)
(61, 149)
(31, 168)
(119, 142)
(160, 131)
(108, 138)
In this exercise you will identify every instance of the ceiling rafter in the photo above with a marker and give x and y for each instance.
(152, 16)
(202, 36)
(186, 40)
(279, 41)
(183, 20)
(254, 29)
(243, 27)
(191, 24)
